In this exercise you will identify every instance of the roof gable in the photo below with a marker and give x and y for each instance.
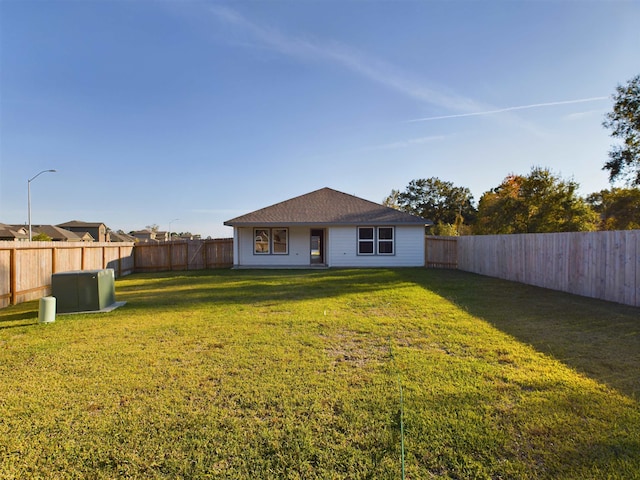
(327, 207)
(56, 233)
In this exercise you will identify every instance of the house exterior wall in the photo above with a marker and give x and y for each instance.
(409, 248)
(299, 249)
(340, 249)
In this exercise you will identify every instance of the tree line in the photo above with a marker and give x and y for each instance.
(540, 201)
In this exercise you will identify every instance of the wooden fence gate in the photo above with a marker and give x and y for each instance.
(441, 252)
(183, 255)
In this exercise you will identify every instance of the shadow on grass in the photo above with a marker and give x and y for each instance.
(247, 287)
(18, 316)
(597, 338)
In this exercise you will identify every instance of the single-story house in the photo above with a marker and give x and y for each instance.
(144, 236)
(328, 228)
(13, 233)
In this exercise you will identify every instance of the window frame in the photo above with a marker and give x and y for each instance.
(257, 234)
(386, 241)
(375, 243)
(271, 243)
(274, 244)
(367, 241)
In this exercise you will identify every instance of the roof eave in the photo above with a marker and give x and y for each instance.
(423, 223)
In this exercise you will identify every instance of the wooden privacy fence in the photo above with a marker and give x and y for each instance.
(184, 255)
(26, 267)
(603, 265)
(441, 252)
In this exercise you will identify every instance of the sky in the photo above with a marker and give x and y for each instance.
(187, 113)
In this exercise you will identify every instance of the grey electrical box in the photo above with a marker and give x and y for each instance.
(84, 290)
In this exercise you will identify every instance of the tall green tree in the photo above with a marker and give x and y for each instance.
(624, 122)
(437, 200)
(535, 203)
(618, 208)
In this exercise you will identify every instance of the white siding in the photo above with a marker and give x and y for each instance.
(299, 249)
(340, 249)
(409, 248)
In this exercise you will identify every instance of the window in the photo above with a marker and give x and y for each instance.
(375, 241)
(280, 243)
(365, 241)
(261, 241)
(274, 241)
(385, 241)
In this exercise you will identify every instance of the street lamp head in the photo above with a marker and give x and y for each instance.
(29, 196)
(40, 173)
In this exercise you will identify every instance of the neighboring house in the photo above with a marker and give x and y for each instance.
(13, 233)
(120, 236)
(144, 236)
(147, 236)
(58, 234)
(97, 230)
(328, 228)
(187, 236)
(85, 236)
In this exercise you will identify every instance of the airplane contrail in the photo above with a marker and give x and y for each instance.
(509, 109)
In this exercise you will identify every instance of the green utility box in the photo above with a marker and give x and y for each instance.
(83, 291)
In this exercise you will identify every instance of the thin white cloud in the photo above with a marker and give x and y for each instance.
(369, 67)
(510, 109)
(375, 70)
(586, 114)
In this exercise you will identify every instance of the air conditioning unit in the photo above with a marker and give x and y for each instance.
(83, 290)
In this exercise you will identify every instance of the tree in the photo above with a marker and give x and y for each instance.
(437, 200)
(619, 208)
(392, 200)
(535, 203)
(624, 121)
(41, 237)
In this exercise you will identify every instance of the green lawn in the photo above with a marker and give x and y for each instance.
(296, 374)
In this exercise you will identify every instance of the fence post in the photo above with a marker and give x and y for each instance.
(205, 259)
(13, 289)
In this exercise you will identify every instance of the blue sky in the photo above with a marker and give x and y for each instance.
(201, 111)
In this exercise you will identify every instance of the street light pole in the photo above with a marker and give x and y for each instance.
(29, 196)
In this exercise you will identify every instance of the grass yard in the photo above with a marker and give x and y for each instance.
(296, 374)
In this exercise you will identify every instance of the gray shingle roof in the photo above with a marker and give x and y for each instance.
(327, 207)
(56, 233)
(10, 232)
(78, 223)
